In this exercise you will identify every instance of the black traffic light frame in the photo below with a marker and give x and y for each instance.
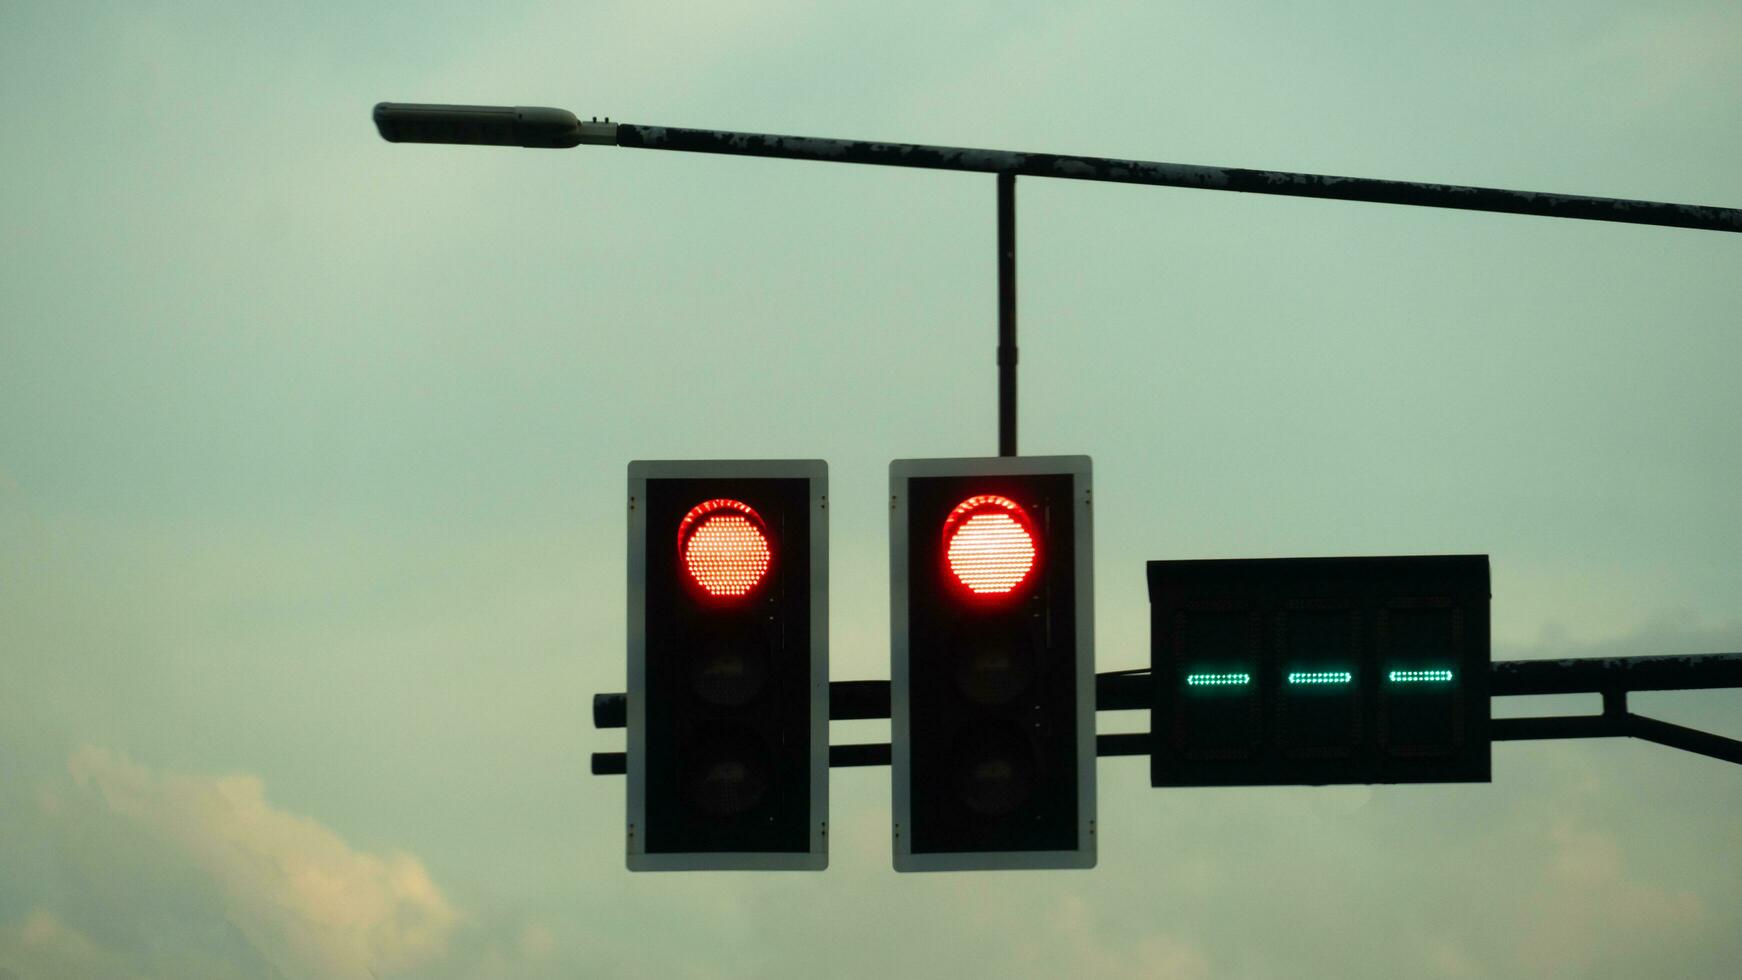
(1055, 718)
(790, 831)
(1319, 671)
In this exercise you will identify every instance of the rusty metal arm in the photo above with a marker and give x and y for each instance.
(1113, 170)
(534, 126)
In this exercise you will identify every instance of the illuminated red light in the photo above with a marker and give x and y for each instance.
(724, 547)
(989, 544)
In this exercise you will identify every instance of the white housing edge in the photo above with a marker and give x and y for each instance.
(817, 472)
(901, 759)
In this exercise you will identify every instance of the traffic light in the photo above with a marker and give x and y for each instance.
(728, 665)
(992, 692)
(1281, 671)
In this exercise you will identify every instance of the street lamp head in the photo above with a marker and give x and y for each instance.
(485, 125)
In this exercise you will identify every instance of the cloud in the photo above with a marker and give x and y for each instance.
(1642, 66)
(117, 870)
(44, 946)
(537, 942)
(15, 517)
(1588, 911)
(305, 901)
(1664, 58)
(1082, 950)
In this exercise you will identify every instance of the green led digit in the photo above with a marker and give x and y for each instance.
(1419, 676)
(1217, 680)
(1320, 677)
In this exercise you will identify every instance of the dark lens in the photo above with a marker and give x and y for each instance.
(994, 769)
(727, 770)
(729, 670)
(994, 669)
(995, 664)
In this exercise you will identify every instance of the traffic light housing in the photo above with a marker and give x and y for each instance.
(1282, 671)
(728, 665)
(992, 691)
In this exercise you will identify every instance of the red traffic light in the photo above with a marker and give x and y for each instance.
(723, 545)
(990, 545)
(992, 689)
(728, 755)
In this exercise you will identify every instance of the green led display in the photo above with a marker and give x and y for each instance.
(1217, 680)
(1320, 677)
(1419, 676)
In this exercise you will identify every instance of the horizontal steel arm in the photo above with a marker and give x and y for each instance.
(1176, 175)
(1687, 739)
(1595, 675)
(877, 753)
(539, 126)
(1130, 690)
(1624, 725)
(1612, 677)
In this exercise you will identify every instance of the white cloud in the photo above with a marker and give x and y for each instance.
(1082, 950)
(537, 942)
(1664, 58)
(15, 517)
(307, 902)
(44, 946)
(1643, 66)
(1588, 911)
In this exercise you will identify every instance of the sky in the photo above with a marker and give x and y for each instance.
(313, 447)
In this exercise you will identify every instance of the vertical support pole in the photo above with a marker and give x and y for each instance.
(1006, 314)
(1615, 703)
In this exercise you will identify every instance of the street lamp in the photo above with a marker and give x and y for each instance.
(541, 127)
(537, 127)
(558, 128)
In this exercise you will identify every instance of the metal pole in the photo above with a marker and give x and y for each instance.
(1596, 675)
(1130, 690)
(1006, 314)
(1162, 174)
(557, 128)
(1686, 739)
(1133, 690)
